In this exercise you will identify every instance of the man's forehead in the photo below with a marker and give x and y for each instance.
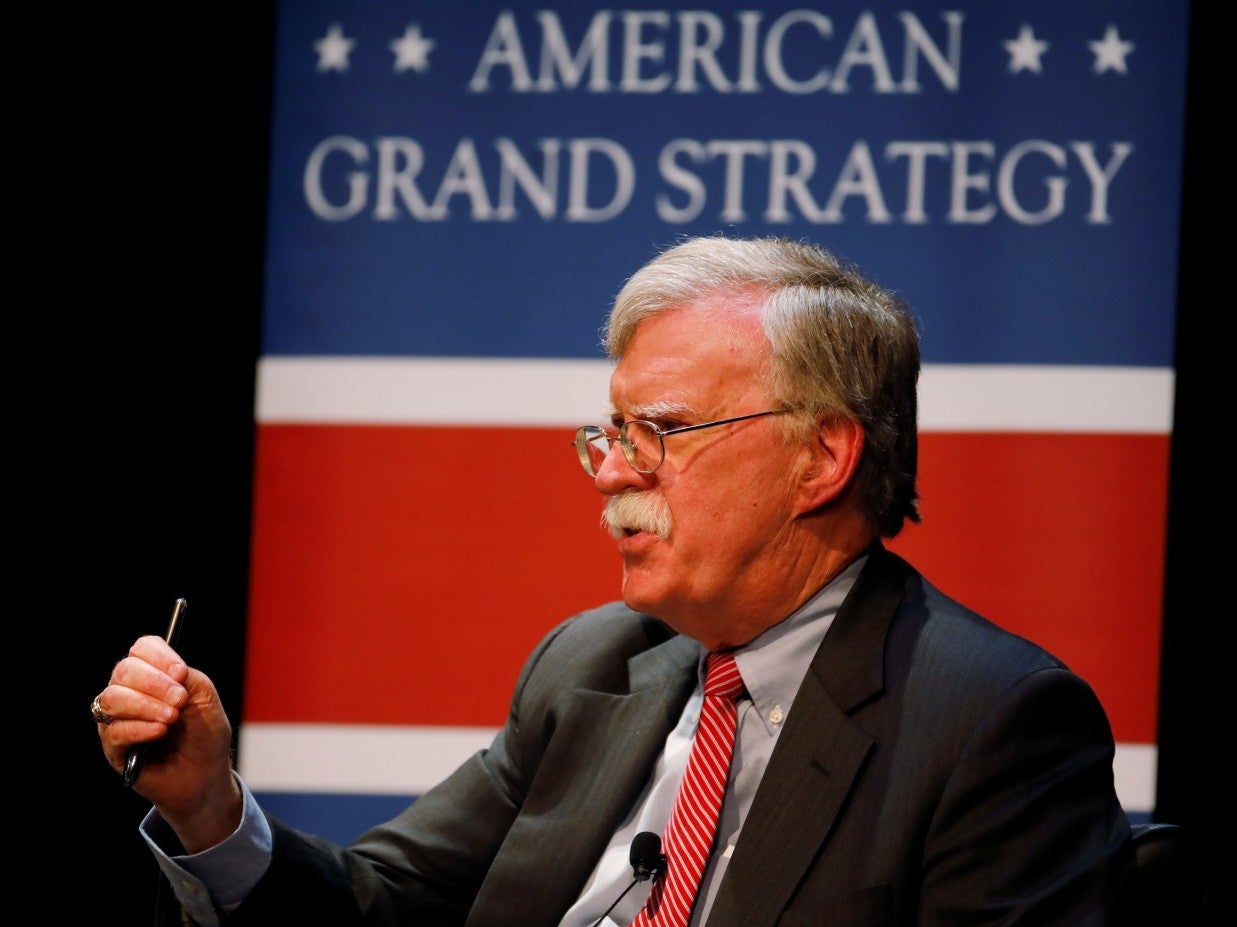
(683, 391)
(700, 332)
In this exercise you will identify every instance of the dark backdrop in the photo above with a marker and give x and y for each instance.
(154, 206)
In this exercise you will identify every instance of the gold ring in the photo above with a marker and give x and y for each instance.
(100, 716)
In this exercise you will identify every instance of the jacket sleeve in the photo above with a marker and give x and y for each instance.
(423, 867)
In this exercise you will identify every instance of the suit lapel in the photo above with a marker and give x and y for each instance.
(609, 741)
(818, 757)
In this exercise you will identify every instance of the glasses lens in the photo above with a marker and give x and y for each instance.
(592, 445)
(642, 445)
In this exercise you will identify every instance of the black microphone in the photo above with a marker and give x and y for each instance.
(647, 861)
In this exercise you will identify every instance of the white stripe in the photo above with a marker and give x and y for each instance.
(358, 759)
(432, 391)
(1133, 771)
(393, 760)
(1127, 400)
(567, 393)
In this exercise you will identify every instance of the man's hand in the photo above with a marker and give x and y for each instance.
(155, 698)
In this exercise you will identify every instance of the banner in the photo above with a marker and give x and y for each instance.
(457, 191)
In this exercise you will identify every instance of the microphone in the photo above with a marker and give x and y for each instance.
(647, 861)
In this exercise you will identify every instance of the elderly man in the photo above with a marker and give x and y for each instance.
(780, 723)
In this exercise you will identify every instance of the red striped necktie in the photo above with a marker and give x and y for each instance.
(693, 820)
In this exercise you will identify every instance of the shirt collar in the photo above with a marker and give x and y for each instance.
(774, 664)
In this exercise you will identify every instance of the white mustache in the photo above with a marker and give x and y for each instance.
(637, 511)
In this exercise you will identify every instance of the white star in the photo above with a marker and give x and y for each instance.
(412, 50)
(1025, 51)
(1110, 52)
(333, 50)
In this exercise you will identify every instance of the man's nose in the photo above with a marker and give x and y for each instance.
(616, 473)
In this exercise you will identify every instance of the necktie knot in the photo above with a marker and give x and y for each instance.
(721, 675)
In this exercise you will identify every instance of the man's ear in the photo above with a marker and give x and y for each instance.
(833, 460)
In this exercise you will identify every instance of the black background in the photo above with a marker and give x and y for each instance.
(147, 273)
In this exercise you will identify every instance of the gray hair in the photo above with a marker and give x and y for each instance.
(841, 346)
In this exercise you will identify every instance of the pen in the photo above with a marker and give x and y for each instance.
(133, 765)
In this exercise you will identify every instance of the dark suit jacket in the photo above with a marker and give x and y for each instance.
(933, 770)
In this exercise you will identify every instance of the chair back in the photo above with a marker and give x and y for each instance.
(1166, 881)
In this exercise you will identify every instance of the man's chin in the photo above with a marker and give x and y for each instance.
(640, 593)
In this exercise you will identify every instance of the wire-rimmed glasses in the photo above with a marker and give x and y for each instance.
(643, 442)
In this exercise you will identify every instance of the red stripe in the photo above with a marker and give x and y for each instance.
(392, 563)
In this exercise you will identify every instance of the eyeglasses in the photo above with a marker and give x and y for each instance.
(642, 442)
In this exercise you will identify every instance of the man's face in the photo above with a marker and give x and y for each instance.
(728, 490)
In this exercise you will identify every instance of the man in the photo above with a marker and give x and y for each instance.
(898, 758)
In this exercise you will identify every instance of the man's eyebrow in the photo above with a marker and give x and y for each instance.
(661, 409)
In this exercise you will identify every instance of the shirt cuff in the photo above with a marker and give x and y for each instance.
(220, 878)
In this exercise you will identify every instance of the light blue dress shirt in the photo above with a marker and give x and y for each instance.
(772, 667)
